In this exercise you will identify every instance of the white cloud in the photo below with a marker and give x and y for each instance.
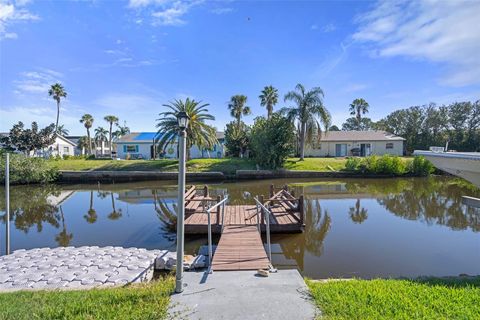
(355, 87)
(11, 14)
(36, 81)
(221, 10)
(329, 28)
(164, 12)
(313, 27)
(443, 32)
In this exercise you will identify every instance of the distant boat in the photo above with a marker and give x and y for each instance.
(462, 164)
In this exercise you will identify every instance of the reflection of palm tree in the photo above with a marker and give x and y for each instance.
(317, 226)
(114, 215)
(63, 238)
(166, 214)
(91, 215)
(357, 213)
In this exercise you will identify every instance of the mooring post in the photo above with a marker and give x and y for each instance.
(262, 216)
(285, 187)
(301, 209)
(205, 191)
(218, 209)
(272, 190)
(7, 204)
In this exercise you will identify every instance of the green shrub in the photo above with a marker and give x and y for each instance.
(420, 166)
(388, 164)
(353, 163)
(67, 156)
(25, 170)
(272, 140)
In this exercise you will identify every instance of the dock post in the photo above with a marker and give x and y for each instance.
(7, 203)
(218, 209)
(262, 216)
(285, 187)
(205, 191)
(301, 209)
(272, 190)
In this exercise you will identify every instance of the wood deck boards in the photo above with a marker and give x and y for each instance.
(240, 248)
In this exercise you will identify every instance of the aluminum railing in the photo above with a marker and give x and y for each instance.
(220, 204)
(267, 212)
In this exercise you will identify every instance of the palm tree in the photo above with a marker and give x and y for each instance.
(309, 106)
(57, 92)
(111, 121)
(238, 108)
(87, 121)
(198, 132)
(358, 214)
(62, 130)
(63, 238)
(357, 108)
(82, 143)
(269, 98)
(122, 130)
(100, 136)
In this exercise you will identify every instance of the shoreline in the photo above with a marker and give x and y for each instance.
(74, 177)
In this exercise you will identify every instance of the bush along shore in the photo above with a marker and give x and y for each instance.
(25, 170)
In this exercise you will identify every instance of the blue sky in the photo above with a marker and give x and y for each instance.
(129, 57)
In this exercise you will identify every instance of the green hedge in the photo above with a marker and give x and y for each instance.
(390, 165)
(25, 170)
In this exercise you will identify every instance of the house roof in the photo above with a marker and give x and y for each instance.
(359, 135)
(147, 137)
(67, 140)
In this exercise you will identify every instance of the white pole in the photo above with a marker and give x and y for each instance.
(7, 204)
(181, 211)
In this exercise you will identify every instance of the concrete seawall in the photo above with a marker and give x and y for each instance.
(132, 176)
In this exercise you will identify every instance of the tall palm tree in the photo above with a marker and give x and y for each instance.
(122, 130)
(87, 121)
(57, 92)
(269, 98)
(309, 112)
(199, 133)
(238, 108)
(112, 120)
(101, 136)
(357, 108)
(62, 130)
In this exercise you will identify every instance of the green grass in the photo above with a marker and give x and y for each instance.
(398, 299)
(143, 301)
(226, 165)
(316, 164)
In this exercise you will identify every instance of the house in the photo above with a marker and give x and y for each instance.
(62, 146)
(99, 148)
(355, 143)
(141, 145)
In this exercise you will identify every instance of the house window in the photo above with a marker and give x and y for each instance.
(65, 150)
(389, 145)
(130, 148)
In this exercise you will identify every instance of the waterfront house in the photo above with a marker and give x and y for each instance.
(141, 145)
(60, 147)
(355, 143)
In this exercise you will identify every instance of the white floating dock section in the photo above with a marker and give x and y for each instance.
(76, 268)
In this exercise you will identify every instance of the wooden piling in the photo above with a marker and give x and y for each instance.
(301, 209)
(262, 215)
(218, 209)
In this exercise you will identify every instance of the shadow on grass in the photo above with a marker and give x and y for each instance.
(451, 282)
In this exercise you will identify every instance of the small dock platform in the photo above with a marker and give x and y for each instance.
(287, 213)
(241, 226)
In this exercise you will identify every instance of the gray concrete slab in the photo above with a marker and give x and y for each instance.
(243, 295)
(75, 268)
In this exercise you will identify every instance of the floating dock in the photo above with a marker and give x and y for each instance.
(240, 246)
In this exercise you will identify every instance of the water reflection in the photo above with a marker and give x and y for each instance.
(353, 227)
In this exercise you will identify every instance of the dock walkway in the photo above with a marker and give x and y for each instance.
(240, 246)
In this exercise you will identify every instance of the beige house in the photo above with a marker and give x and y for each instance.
(355, 143)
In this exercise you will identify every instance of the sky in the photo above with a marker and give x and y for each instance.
(128, 58)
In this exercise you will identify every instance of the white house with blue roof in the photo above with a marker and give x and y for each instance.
(141, 145)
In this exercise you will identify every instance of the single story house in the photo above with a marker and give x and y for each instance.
(61, 146)
(141, 145)
(355, 143)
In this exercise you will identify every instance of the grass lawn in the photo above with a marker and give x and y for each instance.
(226, 165)
(143, 301)
(398, 299)
(316, 164)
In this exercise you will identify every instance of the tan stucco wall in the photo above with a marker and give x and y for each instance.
(327, 149)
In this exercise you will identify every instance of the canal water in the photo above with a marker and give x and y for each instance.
(354, 227)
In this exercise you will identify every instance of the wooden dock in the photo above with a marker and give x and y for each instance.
(240, 246)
